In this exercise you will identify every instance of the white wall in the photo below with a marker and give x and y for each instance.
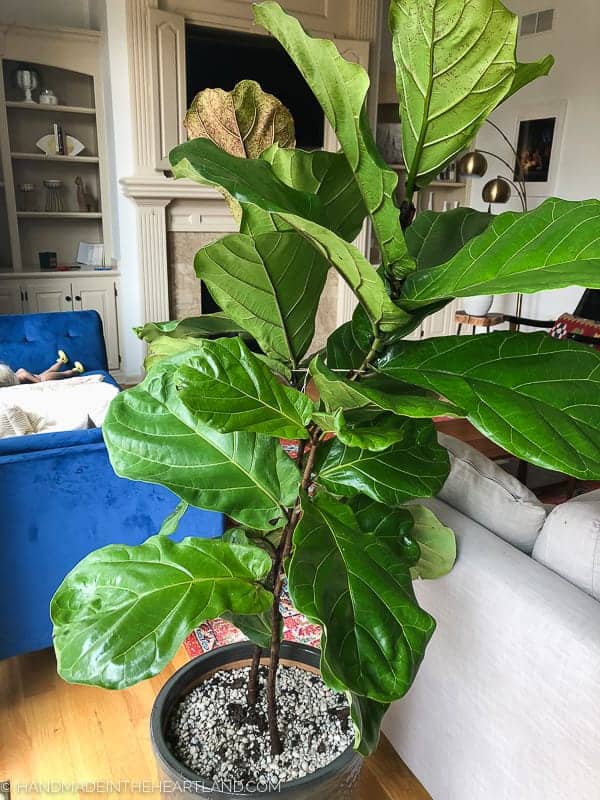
(575, 77)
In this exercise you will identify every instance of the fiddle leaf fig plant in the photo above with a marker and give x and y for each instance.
(337, 520)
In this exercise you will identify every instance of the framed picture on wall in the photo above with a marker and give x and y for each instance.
(538, 139)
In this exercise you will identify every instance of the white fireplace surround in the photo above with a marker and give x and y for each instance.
(156, 46)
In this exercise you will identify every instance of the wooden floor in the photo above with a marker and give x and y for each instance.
(53, 731)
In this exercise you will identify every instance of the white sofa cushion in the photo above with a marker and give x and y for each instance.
(569, 543)
(487, 494)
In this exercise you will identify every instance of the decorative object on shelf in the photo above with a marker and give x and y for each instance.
(26, 196)
(47, 144)
(48, 261)
(59, 140)
(431, 201)
(389, 141)
(448, 173)
(498, 190)
(90, 254)
(85, 200)
(48, 98)
(479, 305)
(27, 79)
(54, 201)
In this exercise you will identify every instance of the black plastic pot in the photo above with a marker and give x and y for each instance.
(336, 781)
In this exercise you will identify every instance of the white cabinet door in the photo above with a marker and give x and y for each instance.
(11, 299)
(53, 294)
(98, 294)
(167, 36)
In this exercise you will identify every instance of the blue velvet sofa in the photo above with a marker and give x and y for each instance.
(59, 496)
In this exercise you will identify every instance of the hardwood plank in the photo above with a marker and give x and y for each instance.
(54, 731)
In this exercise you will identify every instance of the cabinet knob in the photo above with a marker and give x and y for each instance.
(78, 298)
(68, 298)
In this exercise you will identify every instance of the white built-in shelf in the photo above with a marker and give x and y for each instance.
(46, 107)
(44, 157)
(447, 184)
(59, 215)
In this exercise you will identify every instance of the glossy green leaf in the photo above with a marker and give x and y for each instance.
(341, 88)
(536, 396)
(171, 523)
(229, 389)
(336, 391)
(256, 627)
(207, 326)
(270, 285)
(360, 592)
(247, 180)
(329, 177)
(554, 246)
(348, 345)
(415, 467)
(367, 716)
(436, 542)
(392, 525)
(355, 270)
(121, 613)
(165, 347)
(151, 436)
(455, 62)
(526, 73)
(243, 122)
(370, 428)
(434, 237)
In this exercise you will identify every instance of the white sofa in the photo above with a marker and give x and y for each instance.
(506, 705)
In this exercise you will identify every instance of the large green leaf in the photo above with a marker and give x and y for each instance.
(247, 180)
(526, 73)
(434, 237)
(243, 122)
(536, 396)
(360, 592)
(455, 63)
(166, 347)
(436, 542)
(206, 326)
(356, 271)
(337, 392)
(553, 246)
(270, 285)
(328, 175)
(121, 613)
(370, 428)
(349, 345)
(151, 436)
(227, 387)
(415, 467)
(341, 88)
(367, 716)
(413, 529)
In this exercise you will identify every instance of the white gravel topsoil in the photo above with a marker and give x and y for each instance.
(213, 732)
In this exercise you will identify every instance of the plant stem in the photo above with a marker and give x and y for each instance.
(253, 678)
(283, 552)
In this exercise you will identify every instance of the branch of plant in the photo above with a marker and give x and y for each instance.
(283, 552)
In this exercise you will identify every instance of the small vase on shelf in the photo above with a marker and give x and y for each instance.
(479, 305)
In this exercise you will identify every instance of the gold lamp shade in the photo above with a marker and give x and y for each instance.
(496, 191)
(474, 163)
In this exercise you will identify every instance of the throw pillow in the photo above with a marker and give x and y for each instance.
(483, 491)
(569, 543)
